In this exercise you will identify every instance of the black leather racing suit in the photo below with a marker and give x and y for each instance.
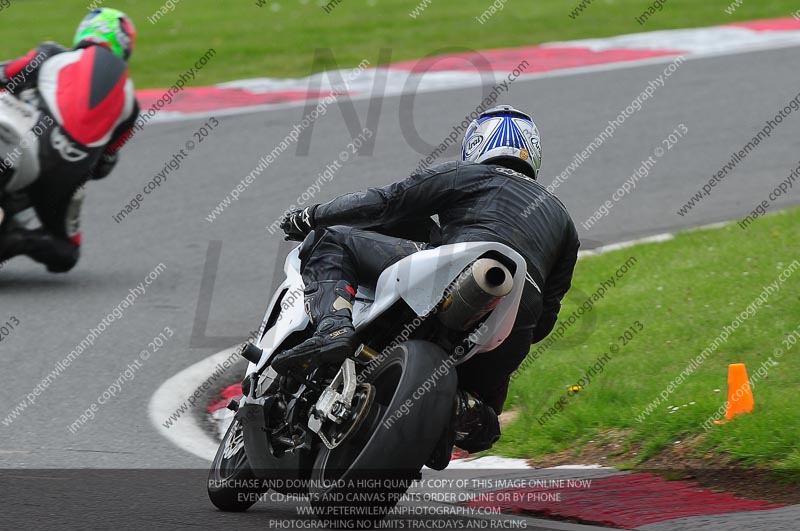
(474, 202)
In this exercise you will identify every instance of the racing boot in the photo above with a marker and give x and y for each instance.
(329, 305)
(477, 425)
(474, 427)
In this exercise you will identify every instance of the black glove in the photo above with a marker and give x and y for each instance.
(298, 223)
(104, 166)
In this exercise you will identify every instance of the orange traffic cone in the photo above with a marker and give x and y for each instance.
(740, 395)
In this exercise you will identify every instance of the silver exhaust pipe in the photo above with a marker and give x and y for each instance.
(475, 293)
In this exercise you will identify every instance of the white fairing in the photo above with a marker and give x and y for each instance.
(292, 316)
(419, 279)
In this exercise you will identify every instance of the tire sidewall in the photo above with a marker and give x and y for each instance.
(226, 493)
(399, 449)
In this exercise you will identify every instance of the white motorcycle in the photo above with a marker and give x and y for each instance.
(379, 415)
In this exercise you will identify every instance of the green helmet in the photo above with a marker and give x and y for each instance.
(110, 28)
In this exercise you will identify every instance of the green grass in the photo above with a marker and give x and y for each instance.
(259, 42)
(683, 291)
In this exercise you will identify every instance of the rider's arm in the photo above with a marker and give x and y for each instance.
(12, 69)
(557, 285)
(18, 71)
(422, 229)
(110, 156)
(420, 195)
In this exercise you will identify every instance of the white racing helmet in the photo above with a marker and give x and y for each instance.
(505, 136)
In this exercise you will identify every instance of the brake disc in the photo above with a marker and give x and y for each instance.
(341, 407)
(333, 435)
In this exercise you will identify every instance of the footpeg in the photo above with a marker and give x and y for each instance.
(366, 355)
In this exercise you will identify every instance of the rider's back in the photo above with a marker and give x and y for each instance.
(86, 95)
(494, 202)
(89, 94)
(474, 202)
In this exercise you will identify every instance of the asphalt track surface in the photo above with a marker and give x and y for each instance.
(722, 101)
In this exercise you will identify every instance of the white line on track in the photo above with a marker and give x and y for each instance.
(477, 80)
(186, 433)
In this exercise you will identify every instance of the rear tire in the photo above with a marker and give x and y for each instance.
(232, 486)
(375, 466)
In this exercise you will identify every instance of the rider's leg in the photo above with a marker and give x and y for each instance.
(58, 255)
(57, 204)
(483, 386)
(334, 260)
(6, 173)
(487, 375)
(47, 231)
(9, 158)
(20, 165)
(338, 252)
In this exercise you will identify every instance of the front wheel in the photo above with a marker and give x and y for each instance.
(232, 486)
(415, 387)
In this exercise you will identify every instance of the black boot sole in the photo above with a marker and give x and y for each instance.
(331, 352)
